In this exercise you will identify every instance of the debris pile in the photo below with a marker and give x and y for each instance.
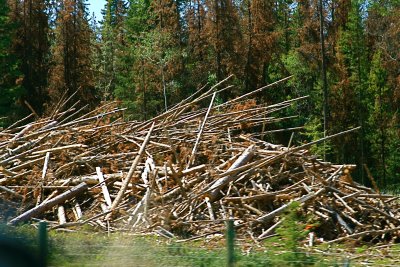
(184, 172)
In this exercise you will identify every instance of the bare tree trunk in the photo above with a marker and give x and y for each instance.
(324, 79)
(164, 87)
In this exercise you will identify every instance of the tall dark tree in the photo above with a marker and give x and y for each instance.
(348, 102)
(32, 47)
(71, 73)
(197, 51)
(10, 78)
(164, 54)
(261, 41)
(224, 39)
(382, 26)
(131, 81)
(112, 41)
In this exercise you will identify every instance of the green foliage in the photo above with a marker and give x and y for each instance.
(393, 160)
(150, 82)
(304, 82)
(380, 117)
(130, 86)
(314, 131)
(292, 228)
(110, 48)
(10, 88)
(291, 235)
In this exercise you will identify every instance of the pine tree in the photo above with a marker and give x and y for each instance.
(224, 39)
(10, 77)
(261, 41)
(308, 34)
(379, 116)
(112, 41)
(352, 70)
(196, 61)
(131, 80)
(383, 90)
(164, 51)
(32, 47)
(149, 82)
(71, 72)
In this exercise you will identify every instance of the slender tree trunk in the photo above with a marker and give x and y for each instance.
(144, 92)
(164, 87)
(324, 78)
(287, 45)
(383, 138)
(360, 110)
(249, 47)
(217, 41)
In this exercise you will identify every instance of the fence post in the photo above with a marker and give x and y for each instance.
(43, 243)
(230, 242)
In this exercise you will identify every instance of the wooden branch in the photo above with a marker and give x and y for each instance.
(269, 230)
(371, 178)
(192, 155)
(128, 178)
(59, 148)
(370, 232)
(281, 209)
(45, 165)
(104, 188)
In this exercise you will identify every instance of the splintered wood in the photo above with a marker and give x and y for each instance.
(184, 172)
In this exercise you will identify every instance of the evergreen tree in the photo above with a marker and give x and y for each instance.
(112, 41)
(383, 90)
(131, 80)
(224, 39)
(162, 49)
(197, 52)
(150, 81)
(32, 47)
(351, 49)
(261, 41)
(10, 77)
(71, 72)
(379, 117)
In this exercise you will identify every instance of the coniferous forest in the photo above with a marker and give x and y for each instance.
(151, 54)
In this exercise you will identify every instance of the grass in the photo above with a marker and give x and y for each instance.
(77, 249)
(87, 248)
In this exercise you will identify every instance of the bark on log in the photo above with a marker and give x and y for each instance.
(242, 160)
(49, 204)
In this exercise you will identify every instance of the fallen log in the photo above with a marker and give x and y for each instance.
(49, 204)
(242, 160)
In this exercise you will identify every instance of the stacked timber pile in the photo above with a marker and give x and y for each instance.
(184, 172)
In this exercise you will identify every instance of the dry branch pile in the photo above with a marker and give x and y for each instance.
(183, 172)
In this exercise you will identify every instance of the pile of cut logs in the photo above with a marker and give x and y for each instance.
(182, 173)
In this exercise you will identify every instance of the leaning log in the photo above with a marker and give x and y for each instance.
(242, 160)
(49, 204)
